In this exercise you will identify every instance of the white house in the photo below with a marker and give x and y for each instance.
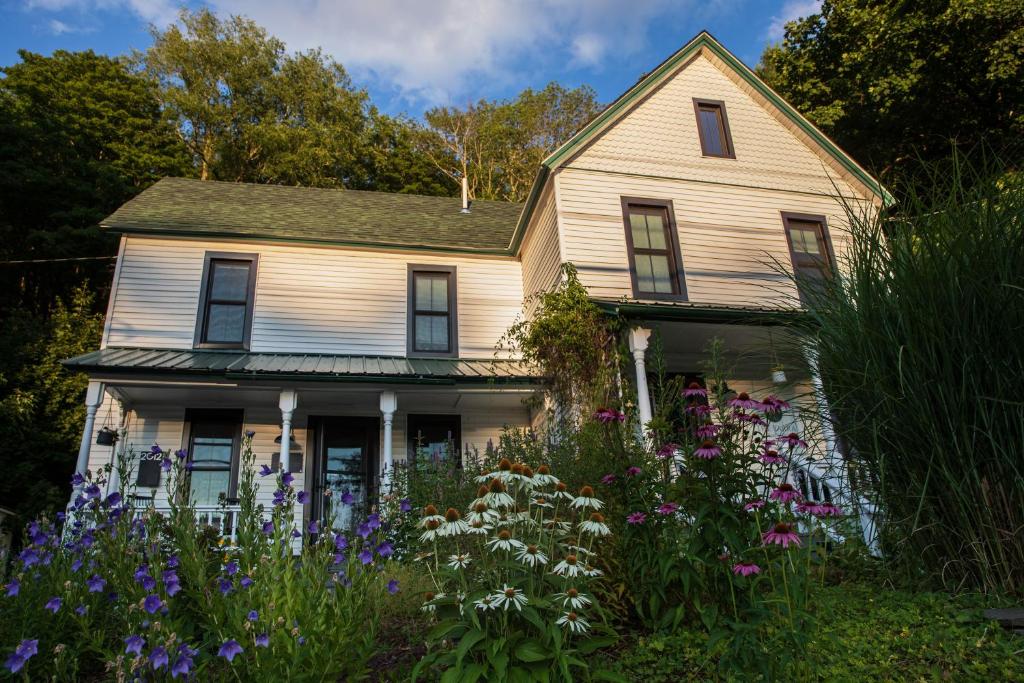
(343, 326)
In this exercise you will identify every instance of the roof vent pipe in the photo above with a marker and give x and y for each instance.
(465, 195)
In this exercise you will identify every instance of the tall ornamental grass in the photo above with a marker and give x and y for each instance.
(921, 351)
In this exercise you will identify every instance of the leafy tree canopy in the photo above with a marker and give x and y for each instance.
(894, 82)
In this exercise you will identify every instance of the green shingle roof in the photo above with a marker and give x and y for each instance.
(184, 207)
(299, 366)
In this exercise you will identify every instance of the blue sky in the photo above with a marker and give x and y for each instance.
(412, 55)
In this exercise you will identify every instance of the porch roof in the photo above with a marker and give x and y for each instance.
(689, 311)
(300, 366)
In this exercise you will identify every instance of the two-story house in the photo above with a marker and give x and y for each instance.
(345, 327)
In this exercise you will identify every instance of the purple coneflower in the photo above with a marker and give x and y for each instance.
(606, 415)
(745, 569)
(633, 471)
(770, 456)
(708, 450)
(792, 440)
(667, 508)
(743, 400)
(53, 604)
(608, 479)
(773, 405)
(695, 390)
(828, 510)
(636, 518)
(230, 649)
(133, 645)
(698, 409)
(784, 493)
(750, 418)
(754, 505)
(780, 534)
(708, 430)
(667, 450)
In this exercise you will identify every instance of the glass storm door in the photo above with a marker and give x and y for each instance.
(347, 462)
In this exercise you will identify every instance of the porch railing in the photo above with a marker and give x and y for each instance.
(222, 518)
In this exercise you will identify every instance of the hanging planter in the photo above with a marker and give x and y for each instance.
(106, 437)
(778, 375)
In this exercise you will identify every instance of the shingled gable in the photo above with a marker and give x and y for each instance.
(194, 208)
(624, 104)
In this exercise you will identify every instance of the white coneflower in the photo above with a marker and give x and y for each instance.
(429, 601)
(532, 556)
(453, 524)
(561, 492)
(573, 599)
(557, 524)
(586, 500)
(502, 473)
(479, 512)
(496, 496)
(485, 603)
(574, 622)
(481, 496)
(431, 527)
(459, 561)
(543, 477)
(521, 475)
(540, 502)
(504, 541)
(509, 597)
(478, 528)
(595, 525)
(430, 514)
(568, 567)
(591, 571)
(577, 550)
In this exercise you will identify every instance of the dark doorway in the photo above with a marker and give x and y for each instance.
(346, 462)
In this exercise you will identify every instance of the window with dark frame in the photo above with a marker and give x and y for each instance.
(653, 244)
(713, 129)
(809, 250)
(438, 437)
(432, 311)
(214, 439)
(228, 294)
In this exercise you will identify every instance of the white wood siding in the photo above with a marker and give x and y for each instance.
(730, 237)
(308, 300)
(658, 137)
(541, 253)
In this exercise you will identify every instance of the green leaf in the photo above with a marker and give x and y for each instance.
(531, 651)
(466, 642)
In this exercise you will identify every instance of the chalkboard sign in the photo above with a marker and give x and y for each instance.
(149, 470)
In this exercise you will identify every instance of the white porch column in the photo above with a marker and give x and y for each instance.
(114, 480)
(638, 340)
(288, 402)
(93, 400)
(388, 405)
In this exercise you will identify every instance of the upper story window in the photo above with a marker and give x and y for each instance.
(225, 307)
(432, 324)
(713, 126)
(809, 250)
(655, 264)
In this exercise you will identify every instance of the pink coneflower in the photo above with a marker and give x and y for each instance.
(828, 510)
(636, 518)
(793, 440)
(810, 507)
(780, 534)
(770, 456)
(698, 409)
(608, 479)
(754, 505)
(745, 569)
(668, 450)
(633, 471)
(773, 405)
(708, 450)
(708, 431)
(667, 508)
(784, 493)
(695, 390)
(750, 418)
(743, 400)
(606, 415)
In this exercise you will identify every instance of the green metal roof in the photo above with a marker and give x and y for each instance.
(300, 366)
(688, 311)
(196, 208)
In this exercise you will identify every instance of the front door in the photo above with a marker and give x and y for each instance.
(346, 463)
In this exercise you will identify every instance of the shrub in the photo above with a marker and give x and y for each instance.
(124, 592)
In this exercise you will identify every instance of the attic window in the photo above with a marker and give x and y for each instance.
(713, 127)
(226, 304)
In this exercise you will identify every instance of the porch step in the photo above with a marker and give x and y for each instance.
(1011, 618)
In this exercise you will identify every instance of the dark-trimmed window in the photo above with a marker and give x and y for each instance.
(655, 264)
(713, 128)
(214, 441)
(438, 437)
(225, 307)
(810, 251)
(432, 323)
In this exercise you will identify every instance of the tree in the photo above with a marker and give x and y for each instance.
(80, 134)
(894, 82)
(498, 145)
(41, 409)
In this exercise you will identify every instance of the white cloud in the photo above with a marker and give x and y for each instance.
(790, 11)
(442, 51)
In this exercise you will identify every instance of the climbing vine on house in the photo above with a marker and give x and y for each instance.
(571, 342)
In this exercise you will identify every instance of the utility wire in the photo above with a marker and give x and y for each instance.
(60, 260)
